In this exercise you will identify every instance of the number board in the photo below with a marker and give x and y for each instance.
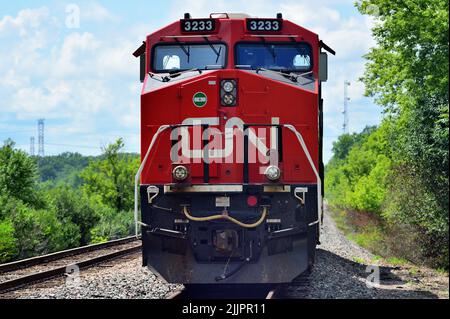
(271, 25)
(198, 25)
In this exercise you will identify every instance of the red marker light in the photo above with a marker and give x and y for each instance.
(252, 201)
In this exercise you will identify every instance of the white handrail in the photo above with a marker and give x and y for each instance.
(165, 127)
(138, 175)
(311, 162)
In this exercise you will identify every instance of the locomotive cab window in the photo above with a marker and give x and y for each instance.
(292, 57)
(181, 57)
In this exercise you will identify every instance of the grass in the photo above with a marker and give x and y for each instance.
(359, 260)
(340, 218)
(442, 271)
(413, 271)
(368, 235)
(397, 261)
(376, 259)
(368, 239)
(366, 231)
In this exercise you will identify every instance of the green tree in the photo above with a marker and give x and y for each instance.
(17, 174)
(112, 225)
(345, 142)
(8, 243)
(75, 209)
(407, 73)
(63, 168)
(111, 178)
(359, 180)
(36, 231)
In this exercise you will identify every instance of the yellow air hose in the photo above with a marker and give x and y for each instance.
(224, 216)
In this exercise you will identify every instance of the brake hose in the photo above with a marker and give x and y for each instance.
(227, 217)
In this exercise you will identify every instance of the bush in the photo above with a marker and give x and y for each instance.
(113, 225)
(110, 179)
(38, 231)
(413, 221)
(73, 208)
(18, 175)
(8, 243)
(359, 180)
(415, 204)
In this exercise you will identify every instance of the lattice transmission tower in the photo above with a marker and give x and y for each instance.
(345, 111)
(41, 151)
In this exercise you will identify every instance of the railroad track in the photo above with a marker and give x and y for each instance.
(238, 291)
(297, 289)
(24, 272)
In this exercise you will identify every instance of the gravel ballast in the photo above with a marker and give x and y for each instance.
(345, 270)
(340, 272)
(123, 278)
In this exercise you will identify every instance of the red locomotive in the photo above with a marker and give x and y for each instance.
(231, 143)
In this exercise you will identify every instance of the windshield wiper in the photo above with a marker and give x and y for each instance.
(186, 51)
(159, 77)
(291, 76)
(165, 78)
(269, 48)
(174, 74)
(178, 73)
(217, 52)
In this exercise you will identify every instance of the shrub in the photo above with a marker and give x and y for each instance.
(73, 208)
(113, 225)
(8, 243)
(38, 231)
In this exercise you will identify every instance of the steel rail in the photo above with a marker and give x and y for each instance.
(197, 293)
(58, 271)
(20, 264)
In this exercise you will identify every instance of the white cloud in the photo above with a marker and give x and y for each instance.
(96, 13)
(11, 79)
(309, 16)
(71, 78)
(25, 21)
(33, 101)
(90, 83)
(74, 55)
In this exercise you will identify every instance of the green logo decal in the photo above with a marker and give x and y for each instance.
(200, 99)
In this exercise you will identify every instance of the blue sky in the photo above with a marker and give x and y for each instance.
(83, 80)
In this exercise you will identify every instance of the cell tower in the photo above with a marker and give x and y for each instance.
(32, 146)
(345, 111)
(41, 152)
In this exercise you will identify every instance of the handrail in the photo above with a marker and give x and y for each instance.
(311, 162)
(165, 127)
(138, 175)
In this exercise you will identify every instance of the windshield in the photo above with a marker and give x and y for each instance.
(274, 56)
(179, 57)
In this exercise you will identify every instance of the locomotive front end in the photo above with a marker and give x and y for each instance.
(231, 174)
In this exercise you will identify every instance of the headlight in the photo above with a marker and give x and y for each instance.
(180, 173)
(273, 173)
(228, 99)
(228, 86)
(228, 92)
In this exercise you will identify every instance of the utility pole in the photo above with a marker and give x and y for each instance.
(345, 111)
(32, 146)
(41, 152)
